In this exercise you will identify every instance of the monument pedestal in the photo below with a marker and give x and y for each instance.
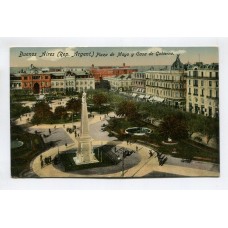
(85, 153)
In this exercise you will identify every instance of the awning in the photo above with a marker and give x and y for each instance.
(141, 96)
(158, 99)
(147, 97)
(134, 95)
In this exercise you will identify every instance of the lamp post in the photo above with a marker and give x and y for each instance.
(72, 119)
(123, 163)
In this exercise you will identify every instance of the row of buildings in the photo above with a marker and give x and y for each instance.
(191, 87)
(46, 81)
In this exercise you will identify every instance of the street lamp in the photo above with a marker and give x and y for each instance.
(124, 155)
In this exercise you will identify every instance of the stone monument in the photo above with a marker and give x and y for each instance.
(85, 154)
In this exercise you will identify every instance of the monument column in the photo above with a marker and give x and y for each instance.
(85, 154)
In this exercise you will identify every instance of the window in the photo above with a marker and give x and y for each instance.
(216, 75)
(217, 93)
(195, 83)
(202, 94)
(210, 93)
(217, 83)
(210, 74)
(202, 82)
(26, 78)
(189, 82)
(189, 91)
(196, 92)
(195, 73)
(202, 74)
(46, 77)
(210, 83)
(189, 73)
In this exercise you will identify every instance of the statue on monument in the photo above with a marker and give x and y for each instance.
(84, 97)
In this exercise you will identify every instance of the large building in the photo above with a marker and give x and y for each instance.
(36, 82)
(168, 85)
(120, 83)
(138, 84)
(110, 71)
(203, 89)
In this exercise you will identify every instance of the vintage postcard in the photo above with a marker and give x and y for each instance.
(114, 112)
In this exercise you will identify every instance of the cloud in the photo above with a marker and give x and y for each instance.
(155, 49)
(175, 52)
(33, 58)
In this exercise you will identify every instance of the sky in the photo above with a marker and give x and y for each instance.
(108, 56)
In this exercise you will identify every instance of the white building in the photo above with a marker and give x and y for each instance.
(15, 82)
(203, 89)
(167, 86)
(58, 81)
(120, 82)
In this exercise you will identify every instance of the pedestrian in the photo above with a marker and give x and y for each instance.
(63, 125)
(41, 157)
(137, 148)
(150, 153)
(78, 134)
(66, 144)
(49, 131)
(42, 164)
(127, 142)
(100, 117)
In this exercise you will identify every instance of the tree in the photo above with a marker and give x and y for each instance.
(60, 113)
(74, 105)
(128, 109)
(16, 109)
(174, 126)
(212, 129)
(99, 99)
(42, 113)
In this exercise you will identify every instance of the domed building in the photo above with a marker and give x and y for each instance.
(167, 85)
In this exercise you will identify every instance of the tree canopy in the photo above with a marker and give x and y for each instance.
(174, 126)
(43, 113)
(74, 105)
(128, 109)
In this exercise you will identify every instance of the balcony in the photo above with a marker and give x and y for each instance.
(213, 98)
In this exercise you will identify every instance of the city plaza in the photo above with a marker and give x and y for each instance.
(139, 165)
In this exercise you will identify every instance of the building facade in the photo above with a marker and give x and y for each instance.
(110, 71)
(120, 83)
(15, 82)
(58, 81)
(168, 86)
(138, 84)
(36, 82)
(203, 89)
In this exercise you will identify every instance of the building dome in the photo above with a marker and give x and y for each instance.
(177, 65)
